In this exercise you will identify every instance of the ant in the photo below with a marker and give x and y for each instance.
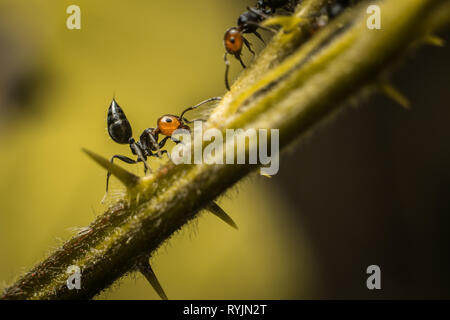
(120, 131)
(233, 40)
(270, 6)
(248, 22)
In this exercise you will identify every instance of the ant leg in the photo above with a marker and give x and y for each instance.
(166, 152)
(176, 140)
(261, 27)
(259, 36)
(158, 146)
(247, 44)
(162, 152)
(124, 159)
(227, 68)
(238, 56)
(155, 145)
(137, 150)
(162, 143)
(199, 104)
(260, 13)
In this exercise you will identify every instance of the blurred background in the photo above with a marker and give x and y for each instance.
(371, 187)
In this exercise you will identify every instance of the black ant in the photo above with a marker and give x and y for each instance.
(270, 6)
(233, 40)
(120, 131)
(248, 22)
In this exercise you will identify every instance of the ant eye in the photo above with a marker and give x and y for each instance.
(168, 120)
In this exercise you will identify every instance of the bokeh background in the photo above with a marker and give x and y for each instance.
(371, 187)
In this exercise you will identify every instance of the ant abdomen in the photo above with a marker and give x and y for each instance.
(119, 128)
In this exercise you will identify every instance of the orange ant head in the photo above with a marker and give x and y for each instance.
(233, 41)
(168, 123)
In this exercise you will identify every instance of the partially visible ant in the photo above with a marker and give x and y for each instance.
(233, 40)
(270, 6)
(120, 131)
(330, 11)
(248, 22)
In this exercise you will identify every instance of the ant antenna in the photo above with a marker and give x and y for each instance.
(258, 12)
(227, 68)
(262, 15)
(242, 62)
(199, 104)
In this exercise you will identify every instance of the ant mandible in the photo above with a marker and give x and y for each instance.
(248, 22)
(120, 131)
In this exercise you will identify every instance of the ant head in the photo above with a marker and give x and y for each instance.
(168, 123)
(233, 41)
(119, 128)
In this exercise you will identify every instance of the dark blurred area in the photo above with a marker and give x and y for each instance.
(21, 77)
(373, 187)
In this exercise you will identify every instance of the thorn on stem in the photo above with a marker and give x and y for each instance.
(434, 40)
(221, 214)
(127, 178)
(394, 94)
(145, 268)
